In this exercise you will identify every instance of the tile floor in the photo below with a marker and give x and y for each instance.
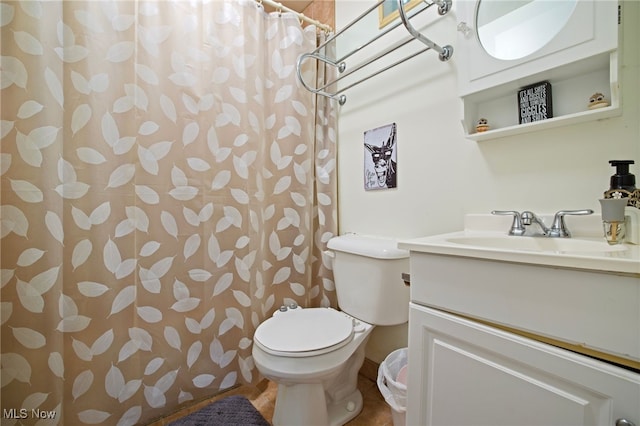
(375, 411)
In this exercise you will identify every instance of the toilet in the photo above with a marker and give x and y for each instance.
(314, 354)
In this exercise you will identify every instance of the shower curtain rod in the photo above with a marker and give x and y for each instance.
(302, 16)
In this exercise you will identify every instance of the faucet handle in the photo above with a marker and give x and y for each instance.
(516, 225)
(559, 228)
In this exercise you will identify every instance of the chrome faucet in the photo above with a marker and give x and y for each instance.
(516, 226)
(529, 218)
(558, 228)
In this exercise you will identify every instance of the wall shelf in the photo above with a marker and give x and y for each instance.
(565, 120)
(572, 86)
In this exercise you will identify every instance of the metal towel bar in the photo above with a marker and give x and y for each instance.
(445, 52)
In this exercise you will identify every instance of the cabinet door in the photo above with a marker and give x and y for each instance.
(465, 373)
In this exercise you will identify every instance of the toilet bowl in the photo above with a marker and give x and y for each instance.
(314, 354)
(315, 361)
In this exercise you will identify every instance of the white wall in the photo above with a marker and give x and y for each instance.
(441, 175)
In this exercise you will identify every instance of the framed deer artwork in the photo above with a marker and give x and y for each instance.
(380, 158)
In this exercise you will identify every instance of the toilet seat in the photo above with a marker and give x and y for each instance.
(304, 332)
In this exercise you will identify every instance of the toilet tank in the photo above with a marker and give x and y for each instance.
(367, 273)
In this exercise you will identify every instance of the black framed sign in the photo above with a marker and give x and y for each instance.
(534, 102)
(380, 158)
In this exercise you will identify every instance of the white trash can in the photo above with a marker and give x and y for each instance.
(392, 382)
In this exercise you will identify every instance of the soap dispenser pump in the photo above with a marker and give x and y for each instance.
(623, 183)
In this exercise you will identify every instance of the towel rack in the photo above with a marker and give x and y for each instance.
(444, 52)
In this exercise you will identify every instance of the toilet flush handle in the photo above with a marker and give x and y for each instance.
(406, 277)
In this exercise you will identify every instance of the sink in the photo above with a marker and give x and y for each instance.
(485, 237)
(540, 244)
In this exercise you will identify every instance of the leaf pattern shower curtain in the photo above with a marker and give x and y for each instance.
(165, 186)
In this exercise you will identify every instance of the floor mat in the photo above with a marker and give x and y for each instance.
(233, 410)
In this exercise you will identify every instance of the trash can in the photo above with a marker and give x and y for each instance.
(392, 382)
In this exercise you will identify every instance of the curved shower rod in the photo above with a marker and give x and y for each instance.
(444, 52)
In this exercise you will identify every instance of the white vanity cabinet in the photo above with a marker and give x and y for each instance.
(578, 58)
(470, 365)
(464, 373)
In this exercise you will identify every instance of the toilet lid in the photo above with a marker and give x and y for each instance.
(304, 332)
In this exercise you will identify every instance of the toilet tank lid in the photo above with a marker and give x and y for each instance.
(367, 245)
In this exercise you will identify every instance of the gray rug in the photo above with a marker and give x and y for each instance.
(233, 410)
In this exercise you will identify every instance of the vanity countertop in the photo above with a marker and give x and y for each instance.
(585, 250)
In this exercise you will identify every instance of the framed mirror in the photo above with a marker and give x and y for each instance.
(514, 29)
(503, 41)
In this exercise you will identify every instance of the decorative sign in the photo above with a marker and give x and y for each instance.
(380, 165)
(534, 102)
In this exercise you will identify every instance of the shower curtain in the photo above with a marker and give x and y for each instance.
(166, 184)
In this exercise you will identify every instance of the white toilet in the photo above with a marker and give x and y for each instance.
(314, 354)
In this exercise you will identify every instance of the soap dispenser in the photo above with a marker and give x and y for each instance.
(623, 183)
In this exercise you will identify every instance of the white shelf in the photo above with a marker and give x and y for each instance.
(572, 85)
(565, 120)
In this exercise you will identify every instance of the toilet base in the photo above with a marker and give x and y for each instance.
(305, 404)
(340, 413)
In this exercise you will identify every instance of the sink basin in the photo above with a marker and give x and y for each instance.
(538, 244)
(586, 253)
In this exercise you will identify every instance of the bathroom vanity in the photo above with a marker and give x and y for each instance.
(508, 330)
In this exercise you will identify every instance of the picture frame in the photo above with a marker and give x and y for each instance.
(388, 10)
(380, 158)
(535, 103)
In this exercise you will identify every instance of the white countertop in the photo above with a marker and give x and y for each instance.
(591, 252)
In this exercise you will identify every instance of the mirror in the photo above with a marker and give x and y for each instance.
(513, 29)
